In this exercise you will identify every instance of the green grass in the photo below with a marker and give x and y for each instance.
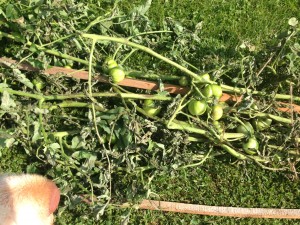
(214, 184)
(222, 27)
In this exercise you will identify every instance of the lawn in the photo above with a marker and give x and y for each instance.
(117, 148)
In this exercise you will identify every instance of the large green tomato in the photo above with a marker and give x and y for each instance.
(196, 107)
(251, 146)
(117, 74)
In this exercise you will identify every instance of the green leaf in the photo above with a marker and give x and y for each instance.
(143, 8)
(12, 12)
(81, 155)
(54, 146)
(77, 142)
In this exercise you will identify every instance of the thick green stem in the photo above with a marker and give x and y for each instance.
(180, 125)
(271, 116)
(49, 51)
(236, 90)
(145, 49)
(68, 104)
(82, 95)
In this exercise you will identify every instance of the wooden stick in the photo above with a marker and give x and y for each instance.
(219, 210)
(128, 82)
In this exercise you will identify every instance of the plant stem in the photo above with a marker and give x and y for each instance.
(82, 95)
(69, 104)
(49, 51)
(145, 49)
(236, 90)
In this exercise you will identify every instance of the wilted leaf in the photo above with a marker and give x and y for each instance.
(6, 101)
(77, 142)
(22, 78)
(36, 134)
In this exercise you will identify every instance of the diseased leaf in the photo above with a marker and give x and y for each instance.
(36, 133)
(22, 78)
(9, 142)
(6, 101)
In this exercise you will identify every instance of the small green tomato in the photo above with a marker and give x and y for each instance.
(148, 103)
(217, 90)
(39, 84)
(151, 111)
(112, 138)
(251, 146)
(262, 123)
(196, 107)
(117, 74)
(207, 91)
(216, 112)
(218, 126)
(183, 81)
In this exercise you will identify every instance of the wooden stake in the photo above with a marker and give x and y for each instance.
(219, 210)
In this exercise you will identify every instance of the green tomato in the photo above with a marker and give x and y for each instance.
(217, 90)
(251, 146)
(112, 65)
(247, 129)
(218, 126)
(38, 83)
(109, 63)
(262, 123)
(117, 74)
(205, 77)
(148, 103)
(216, 112)
(112, 138)
(103, 138)
(67, 67)
(207, 91)
(151, 111)
(183, 81)
(197, 108)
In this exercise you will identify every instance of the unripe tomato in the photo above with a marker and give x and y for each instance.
(196, 107)
(218, 126)
(251, 146)
(110, 62)
(117, 74)
(38, 83)
(67, 67)
(103, 139)
(216, 112)
(112, 138)
(151, 111)
(262, 123)
(207, 91)
(148, 103)
(183, 81)
(205, 77)
(247, 129)
(217, 90)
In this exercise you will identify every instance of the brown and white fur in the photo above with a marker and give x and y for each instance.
(27, 200)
